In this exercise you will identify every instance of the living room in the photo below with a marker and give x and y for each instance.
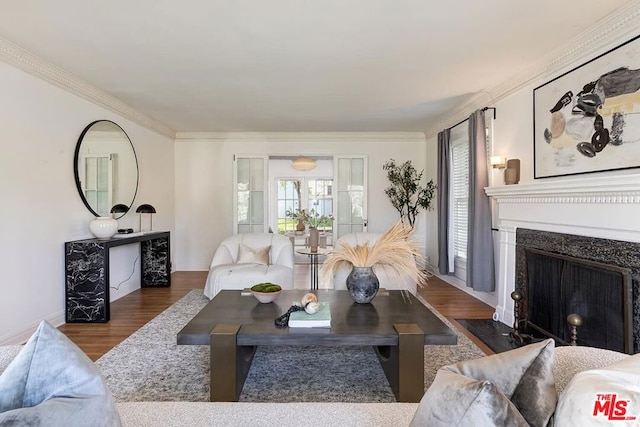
(186, 170)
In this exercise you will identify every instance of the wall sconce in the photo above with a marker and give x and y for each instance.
(119, 209)
(303, 164)
(498, 162)
(146, 209)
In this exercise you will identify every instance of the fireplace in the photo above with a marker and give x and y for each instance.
(560, 274)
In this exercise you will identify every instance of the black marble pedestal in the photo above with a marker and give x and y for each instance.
(87, 273)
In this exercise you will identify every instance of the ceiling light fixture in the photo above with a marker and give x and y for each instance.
(303, 164)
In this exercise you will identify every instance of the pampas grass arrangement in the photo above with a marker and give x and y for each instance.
(396, 250)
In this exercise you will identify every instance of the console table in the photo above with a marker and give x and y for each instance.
(87, 272)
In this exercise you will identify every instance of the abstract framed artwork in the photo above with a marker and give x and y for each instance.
(588, 119)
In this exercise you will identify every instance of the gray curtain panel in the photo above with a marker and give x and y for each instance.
(480, 267)
(444, 164)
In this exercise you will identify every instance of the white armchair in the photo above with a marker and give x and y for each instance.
(235, 266)
(387, 277)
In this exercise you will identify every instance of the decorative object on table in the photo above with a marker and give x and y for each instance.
(405, 192)
(301, 215)
(266, 292)
(320, 318)
(586, 120)
(146, 209)
(103, 227)
(119, 210)
(395, 249)
(314, 237)
(308, 303)
(283, 320)
(307, 299)
(313, 218)
(303, 164)
(362, 284)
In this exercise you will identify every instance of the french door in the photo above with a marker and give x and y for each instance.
(250, 193)
(351, 196)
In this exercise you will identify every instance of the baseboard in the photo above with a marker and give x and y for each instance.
(21, 337)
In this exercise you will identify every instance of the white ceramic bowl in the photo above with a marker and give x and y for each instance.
(266, 297)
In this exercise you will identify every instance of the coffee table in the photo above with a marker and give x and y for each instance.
(395, 323)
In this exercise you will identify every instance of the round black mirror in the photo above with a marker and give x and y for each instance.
(106, 168)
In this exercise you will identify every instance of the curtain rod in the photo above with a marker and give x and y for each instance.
(484, 109)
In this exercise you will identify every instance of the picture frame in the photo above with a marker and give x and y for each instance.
(588, 119)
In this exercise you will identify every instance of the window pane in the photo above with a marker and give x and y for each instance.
(357, 172)
(244, 171)
(460, 189)
(257, 174)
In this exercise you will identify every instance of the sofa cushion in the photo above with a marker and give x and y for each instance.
(572, 359)
(466, 393)
(248, 254)
(51, 382)
(602, 396)
(456, 400)
(7, 354)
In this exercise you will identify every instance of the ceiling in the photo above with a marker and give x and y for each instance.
(296, 65)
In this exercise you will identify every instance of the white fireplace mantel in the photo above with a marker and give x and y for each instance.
(601, 206)
(606, 189)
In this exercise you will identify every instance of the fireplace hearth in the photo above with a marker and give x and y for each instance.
(599, 279)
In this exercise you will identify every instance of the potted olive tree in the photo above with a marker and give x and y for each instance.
(405, 193)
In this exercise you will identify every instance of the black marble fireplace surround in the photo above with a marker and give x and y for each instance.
(599, 263)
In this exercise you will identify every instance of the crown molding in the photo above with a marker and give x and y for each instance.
(617, 189)
(18, 57)
(614, 29)
(311, 137)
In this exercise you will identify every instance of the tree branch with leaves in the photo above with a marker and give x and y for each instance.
(405, 193)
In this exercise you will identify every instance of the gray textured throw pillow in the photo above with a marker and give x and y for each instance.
(52, 383)
(469, 393)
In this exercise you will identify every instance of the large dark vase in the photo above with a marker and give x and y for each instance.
(362, 284)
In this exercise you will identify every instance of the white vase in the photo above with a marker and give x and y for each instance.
(103, 227)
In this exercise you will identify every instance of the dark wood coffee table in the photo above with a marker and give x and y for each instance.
(395, 323)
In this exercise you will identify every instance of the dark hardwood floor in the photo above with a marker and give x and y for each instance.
(131, 312)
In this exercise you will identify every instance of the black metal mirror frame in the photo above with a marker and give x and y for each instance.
(76, 157)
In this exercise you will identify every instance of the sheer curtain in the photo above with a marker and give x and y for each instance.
(445, 260)
(480, 266)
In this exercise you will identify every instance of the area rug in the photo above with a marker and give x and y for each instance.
(150, 366)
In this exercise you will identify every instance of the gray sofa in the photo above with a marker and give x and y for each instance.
(569, 361)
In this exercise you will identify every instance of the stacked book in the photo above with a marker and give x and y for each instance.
(321, 319)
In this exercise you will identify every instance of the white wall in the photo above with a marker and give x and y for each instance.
(204, 180)
(41, 209)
